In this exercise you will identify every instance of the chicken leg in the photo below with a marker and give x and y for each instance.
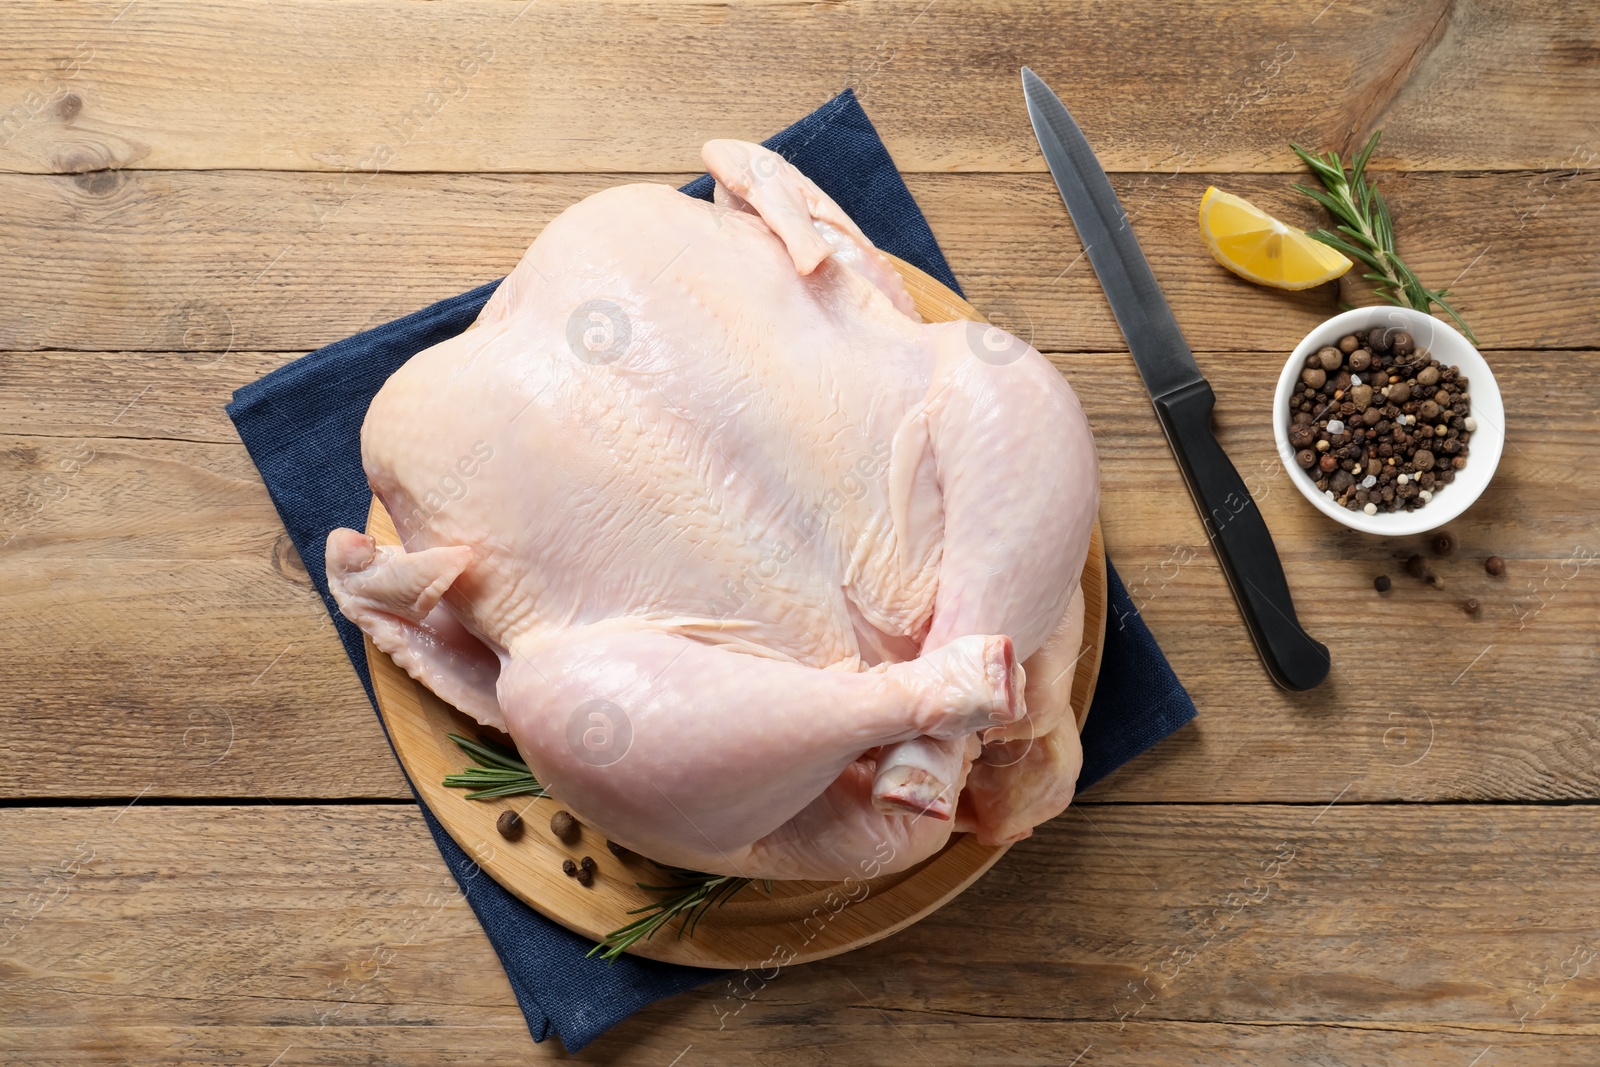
(616, 716)
(1016, 534)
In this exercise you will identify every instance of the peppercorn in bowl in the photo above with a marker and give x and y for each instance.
(1388, 420)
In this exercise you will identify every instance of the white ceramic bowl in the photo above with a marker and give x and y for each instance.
(1443, 343)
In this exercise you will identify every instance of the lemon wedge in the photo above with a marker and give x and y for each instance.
(1256, 246)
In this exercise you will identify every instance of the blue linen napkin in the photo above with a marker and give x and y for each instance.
(302, 426)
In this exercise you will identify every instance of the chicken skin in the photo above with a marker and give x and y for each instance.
(764, 575)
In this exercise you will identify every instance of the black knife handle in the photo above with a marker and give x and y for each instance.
(1241, 540)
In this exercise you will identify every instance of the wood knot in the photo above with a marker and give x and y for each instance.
(201, 326)
(78, 158)
(68, 106)
(98, 182)
(286, 561)
(22, 455)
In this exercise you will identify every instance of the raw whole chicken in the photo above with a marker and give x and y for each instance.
(764, 576)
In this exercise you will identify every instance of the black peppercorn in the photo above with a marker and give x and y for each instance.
(1495, 566)
(1392, 422)
(509, 824)
(569, 868)
(1418, 567)
(584, 876)
(565, 827)
(1381, 583)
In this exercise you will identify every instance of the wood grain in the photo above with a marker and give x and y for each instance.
(178, 396)
(282, 262)
(333, 935)
(141, 593)
(133, 567)
(191, 194)
(562, 85)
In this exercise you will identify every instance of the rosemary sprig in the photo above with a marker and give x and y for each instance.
(692, 894)
(1366, 231)
(500, 772)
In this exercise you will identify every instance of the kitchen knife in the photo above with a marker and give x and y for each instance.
(1182, 397)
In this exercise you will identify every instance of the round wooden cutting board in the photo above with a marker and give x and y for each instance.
(798, 921)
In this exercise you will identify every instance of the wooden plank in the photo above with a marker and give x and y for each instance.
(503, 85)
(178, 395)
(148, 594)
(1515, 249)
(247, 261)
(155, 608)
(1438, 726)
(1414, 934)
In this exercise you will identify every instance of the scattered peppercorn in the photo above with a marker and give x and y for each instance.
(1436, 581)
(1418, 567)
(509, 824)
(1381, 583)
(1495, 566)
(1470, 606)
(565, 827)
(1376, 424)
(1444, 544)
(584, 876)
(569, 868)
(587, 864)
(619, 851)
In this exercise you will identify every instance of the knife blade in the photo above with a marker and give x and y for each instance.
(1182, 398)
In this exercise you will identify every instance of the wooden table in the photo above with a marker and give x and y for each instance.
(207, 852)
